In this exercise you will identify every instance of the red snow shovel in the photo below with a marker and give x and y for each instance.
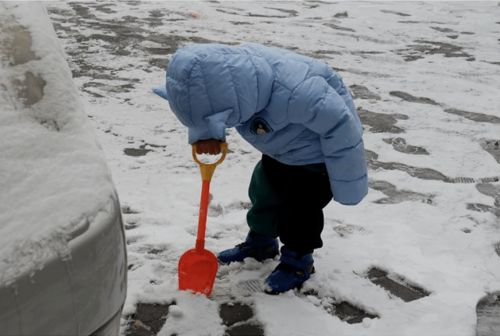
(197, 266)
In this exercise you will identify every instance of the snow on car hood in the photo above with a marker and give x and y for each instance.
(53, 177)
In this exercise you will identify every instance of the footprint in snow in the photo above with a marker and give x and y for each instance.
(344, 310)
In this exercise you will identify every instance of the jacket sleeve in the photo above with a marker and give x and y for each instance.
(213, 127)
(320, 108)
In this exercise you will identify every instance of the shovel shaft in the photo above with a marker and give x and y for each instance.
(202, 220)
(207, 171)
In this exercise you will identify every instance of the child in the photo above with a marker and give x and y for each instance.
(298, 113)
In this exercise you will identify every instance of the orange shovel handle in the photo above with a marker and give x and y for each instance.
(207, 170)
(202, 219)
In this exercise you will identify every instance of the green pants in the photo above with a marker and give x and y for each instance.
(288, 202)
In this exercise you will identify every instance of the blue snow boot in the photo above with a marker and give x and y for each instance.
(255, 246)
(292, 271)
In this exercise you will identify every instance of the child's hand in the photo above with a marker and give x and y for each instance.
(210, 146)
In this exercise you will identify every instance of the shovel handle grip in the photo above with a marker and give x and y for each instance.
(207, 169)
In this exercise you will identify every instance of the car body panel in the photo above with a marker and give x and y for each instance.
(79, 286)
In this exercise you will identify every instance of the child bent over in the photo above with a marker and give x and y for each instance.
(298, 113)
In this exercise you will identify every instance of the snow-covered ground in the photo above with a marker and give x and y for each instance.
(413, 259)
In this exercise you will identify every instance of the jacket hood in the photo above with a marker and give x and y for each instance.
(217, 83)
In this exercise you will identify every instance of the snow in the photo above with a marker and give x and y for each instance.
(53, 175)
(432, 237)
(194, 315)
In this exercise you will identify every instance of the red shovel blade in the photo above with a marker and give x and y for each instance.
(197, 271)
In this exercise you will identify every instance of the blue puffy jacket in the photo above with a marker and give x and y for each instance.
(290, 107)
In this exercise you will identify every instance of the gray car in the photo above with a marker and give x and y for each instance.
(62, 248)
